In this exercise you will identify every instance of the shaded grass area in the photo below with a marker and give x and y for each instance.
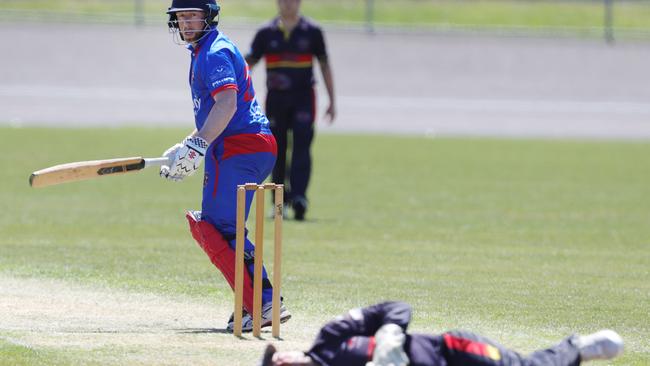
(481, 13)
(525, 241)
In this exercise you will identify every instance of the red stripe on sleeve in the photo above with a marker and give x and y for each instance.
(222, 88)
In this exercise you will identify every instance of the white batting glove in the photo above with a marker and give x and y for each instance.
(169, 154)
(389, 349)
(185, 158)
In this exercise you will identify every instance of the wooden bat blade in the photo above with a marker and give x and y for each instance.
(82, 170)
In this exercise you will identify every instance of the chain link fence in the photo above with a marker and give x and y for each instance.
(610, 19)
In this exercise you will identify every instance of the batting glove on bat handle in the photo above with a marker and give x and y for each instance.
(169, 154)
(186, 159)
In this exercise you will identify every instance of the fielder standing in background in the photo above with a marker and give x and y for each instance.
(376, 336)
(232, 135)
(289, 44)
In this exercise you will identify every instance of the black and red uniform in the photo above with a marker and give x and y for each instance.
(350, 341)
(290, 101)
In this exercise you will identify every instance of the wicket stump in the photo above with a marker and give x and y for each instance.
(259, 255)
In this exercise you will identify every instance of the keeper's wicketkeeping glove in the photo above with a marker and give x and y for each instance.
(185, 158)
(389, 349)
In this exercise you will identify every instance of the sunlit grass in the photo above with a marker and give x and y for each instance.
(524, 240)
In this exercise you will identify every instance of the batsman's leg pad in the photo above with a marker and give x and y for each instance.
(221, 255)
(249, 262)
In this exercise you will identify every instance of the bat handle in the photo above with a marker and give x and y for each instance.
(155, 161)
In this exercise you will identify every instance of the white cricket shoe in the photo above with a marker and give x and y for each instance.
(267, 318)
(231, 322)
(603, 345)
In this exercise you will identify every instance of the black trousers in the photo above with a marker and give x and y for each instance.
(465, 348)
(292, 115)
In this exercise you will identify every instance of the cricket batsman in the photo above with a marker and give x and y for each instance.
(232, 135)
(376, 336)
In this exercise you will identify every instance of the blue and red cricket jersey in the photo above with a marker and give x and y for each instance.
(218, 65)
(245, 152)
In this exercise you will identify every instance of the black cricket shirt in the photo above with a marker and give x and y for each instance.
(289, 55)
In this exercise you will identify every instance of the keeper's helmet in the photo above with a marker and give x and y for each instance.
(209, 7)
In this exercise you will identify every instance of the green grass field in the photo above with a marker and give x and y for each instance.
(481, 13)
(524, 241)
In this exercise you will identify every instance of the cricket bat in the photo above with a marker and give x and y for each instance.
(82, 170)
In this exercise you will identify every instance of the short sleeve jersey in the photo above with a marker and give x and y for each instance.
(217, 65)
(289, 56)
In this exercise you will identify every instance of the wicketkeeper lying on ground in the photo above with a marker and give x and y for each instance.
(376, 336)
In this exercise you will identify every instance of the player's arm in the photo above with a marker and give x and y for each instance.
(224, 108)
(251, 61)
(358, 322)
(392, 312)
(220, 77)
(326, 70)
(320, 51)
(187, 156)
(257, 50)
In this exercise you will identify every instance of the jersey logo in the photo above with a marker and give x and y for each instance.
(224, 81)
(197, 105)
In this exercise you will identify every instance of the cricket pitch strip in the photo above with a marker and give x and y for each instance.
(112, 326)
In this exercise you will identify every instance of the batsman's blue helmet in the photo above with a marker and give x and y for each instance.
(209, 7)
